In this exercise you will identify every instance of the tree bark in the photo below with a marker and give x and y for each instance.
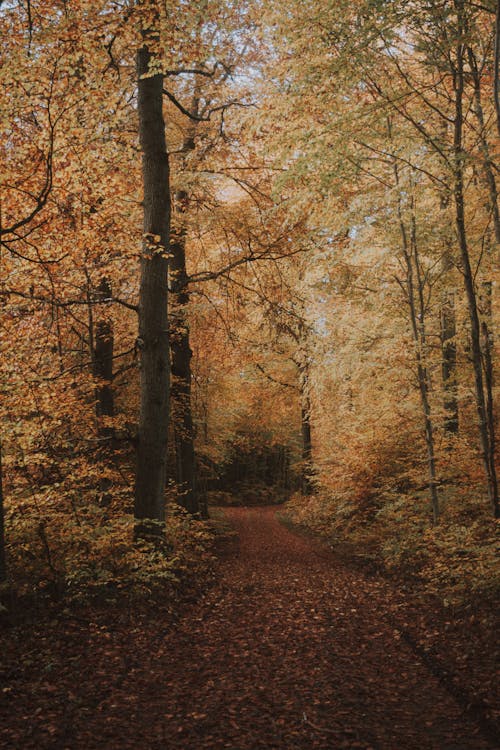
(181, 355)
(415, 298)
(417, 317)
(496, 76)
(307, 467)
(449, 364)
(448, 333)
(3, 566)
(487, 438)
(153, 319)
(488, 166)
(181, 381)
(103, 364)
(102, 341)
(486, 286)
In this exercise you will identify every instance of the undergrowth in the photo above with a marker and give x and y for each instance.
(456, 560)
(89, 553)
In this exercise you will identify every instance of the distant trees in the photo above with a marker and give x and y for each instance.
(425, 69)
(318, 241)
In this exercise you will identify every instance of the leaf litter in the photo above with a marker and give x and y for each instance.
(289, 649)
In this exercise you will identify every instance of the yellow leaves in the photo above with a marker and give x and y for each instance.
(89, 551)
(152, 245)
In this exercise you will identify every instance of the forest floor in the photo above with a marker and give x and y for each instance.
(290, 648)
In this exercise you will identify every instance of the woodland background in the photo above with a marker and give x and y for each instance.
(333, 282)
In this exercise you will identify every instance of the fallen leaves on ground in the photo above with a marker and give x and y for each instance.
(290, 649)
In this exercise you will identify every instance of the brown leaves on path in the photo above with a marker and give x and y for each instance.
(289, 650)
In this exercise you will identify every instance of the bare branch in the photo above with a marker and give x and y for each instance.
(204, 118)
(191, 71)
(275, 380)
(251, 257)
(68, 303)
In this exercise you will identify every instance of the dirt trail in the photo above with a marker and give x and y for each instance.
(289, 650)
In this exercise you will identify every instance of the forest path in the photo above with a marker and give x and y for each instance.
(288, 650)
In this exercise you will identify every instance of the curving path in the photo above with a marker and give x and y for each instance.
(289, 650)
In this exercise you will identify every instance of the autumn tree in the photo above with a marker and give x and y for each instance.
(153, 320)
(389, 62)
(202, 96)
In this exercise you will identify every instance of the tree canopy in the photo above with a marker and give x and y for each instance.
(246, 244)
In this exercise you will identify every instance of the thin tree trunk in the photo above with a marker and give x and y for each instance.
(181, 382)
(416, 304)
(496, 75)
(487, 348)
(307, 488)
(486, 286)
(153, 319)
(449, 363)
(448, 345)
(3, 566)
(486, 439)
(488, 167)
(307, 466)
(418, 322)
(103, 364)
(286, 471)
(181, 355)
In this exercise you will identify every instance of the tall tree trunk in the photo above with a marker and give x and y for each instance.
(496, 74)
(307, 466)
(181, 374)
(487, 349)
(102, 341)
(3, 566)
(181, 354)
(488, 166)
(418, 315)
(414, 289)
(487, 439)
(449, 363)
(103, 364)
(153, 319)
(486, 286)
(307, 488)
(448, 323)
(448, 333)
